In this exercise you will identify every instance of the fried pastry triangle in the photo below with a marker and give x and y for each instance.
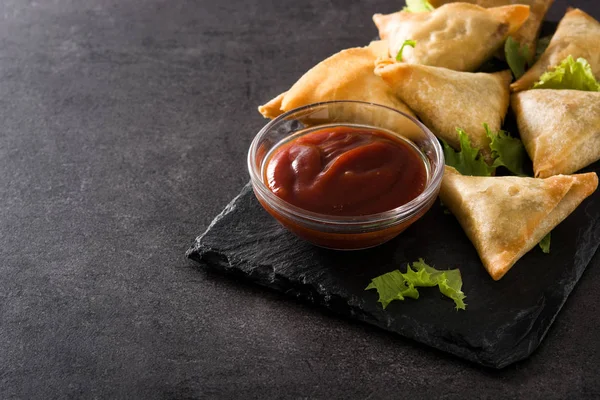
(505, 217)
(347, 75)
(529, 31)
(457, 36)
(445, 99)
(577, 35)
(559, 128)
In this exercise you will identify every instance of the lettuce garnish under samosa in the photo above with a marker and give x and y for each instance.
(570, 74)
(517, 56)
(396, 285)
(541, 46)
(467, 161)
(507, 152)
(545, 243)
(418, 6)
(520, 58)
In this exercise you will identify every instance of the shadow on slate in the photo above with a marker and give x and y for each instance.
(504, 322)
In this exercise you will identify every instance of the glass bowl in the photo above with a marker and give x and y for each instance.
(336, 232)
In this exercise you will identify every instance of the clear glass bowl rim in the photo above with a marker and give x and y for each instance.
(395, 215)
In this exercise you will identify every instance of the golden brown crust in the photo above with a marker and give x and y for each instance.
(505, 217)
(577, 35)
(457, 36)
(559, 128)
(347, 75)
(529, 32)
(272, 109)
(445, 99)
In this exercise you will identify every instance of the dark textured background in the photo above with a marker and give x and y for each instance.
(124, 129)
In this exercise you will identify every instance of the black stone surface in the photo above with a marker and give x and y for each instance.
(123, 131)
(504, 322)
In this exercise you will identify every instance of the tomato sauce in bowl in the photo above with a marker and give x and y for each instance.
(346, 171)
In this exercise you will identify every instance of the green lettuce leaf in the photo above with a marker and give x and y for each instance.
(422, 266)
(507, 151)
(448, 281)
(545, 243)
(418, 6)
(411, 292)
(570, 74)
(392, 286)
(419, 277)
(542, 45)
(467, 161)
(411, 43)
(446, 211)
(396, 285)
(517, 57)
(450, 284)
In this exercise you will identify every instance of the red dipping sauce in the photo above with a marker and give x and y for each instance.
(346, 171)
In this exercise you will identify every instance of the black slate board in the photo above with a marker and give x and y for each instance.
(504, 322)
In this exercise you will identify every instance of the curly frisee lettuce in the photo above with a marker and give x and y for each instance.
(396, 285)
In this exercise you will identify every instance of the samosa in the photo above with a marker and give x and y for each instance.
(529, 31)
(559, 128)
(347, 75)
(445, 100)
(457, 36)
(505, 217)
